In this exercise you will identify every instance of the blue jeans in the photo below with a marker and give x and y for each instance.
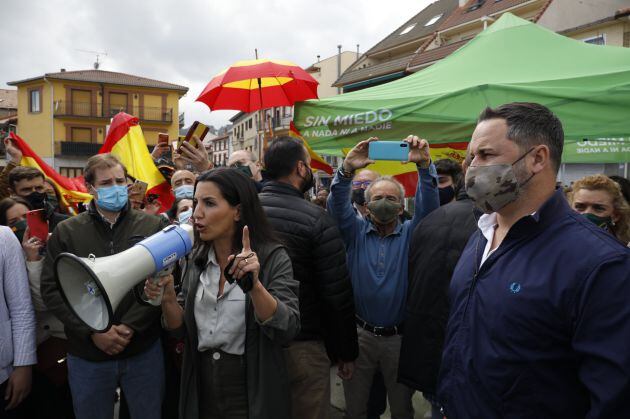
(141, 378)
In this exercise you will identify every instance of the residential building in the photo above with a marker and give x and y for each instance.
(64, 116)
(588, 21)
(8, 112)
(388, 60)
(328, 70)
(244, 132)
(219, 150)
(466, 21)
(603, 22)
(8, 102)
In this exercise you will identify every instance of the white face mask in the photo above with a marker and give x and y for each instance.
(183, 217)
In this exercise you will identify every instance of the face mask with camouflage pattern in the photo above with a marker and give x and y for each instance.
(494, 186)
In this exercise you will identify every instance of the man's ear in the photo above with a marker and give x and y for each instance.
(541, 159)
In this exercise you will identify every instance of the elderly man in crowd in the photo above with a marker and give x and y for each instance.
(377, 249)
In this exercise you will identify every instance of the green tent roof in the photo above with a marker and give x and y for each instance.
(587, 86)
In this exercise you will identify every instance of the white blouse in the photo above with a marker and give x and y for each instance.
(220, 320)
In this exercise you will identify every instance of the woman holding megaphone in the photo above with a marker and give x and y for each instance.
(240, 306)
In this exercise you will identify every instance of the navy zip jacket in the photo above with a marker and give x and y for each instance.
(542, 328)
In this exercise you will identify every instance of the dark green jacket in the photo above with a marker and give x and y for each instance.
(85, 234)
(268, 391)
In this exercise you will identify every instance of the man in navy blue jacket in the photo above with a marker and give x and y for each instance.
(539, 324)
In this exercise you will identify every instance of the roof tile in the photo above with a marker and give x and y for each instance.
(489, 7)
(441, 8)
(101, 76)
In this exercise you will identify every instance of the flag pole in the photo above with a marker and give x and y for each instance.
(262, 115)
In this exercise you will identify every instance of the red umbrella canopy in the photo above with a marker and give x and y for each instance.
(257, 84)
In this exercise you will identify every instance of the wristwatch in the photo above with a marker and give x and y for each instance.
(345, 173)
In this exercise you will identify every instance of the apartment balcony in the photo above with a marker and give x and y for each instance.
(80, 148)
(90, 110)
(76, 149)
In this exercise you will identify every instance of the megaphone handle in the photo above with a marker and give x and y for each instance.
(155, 279)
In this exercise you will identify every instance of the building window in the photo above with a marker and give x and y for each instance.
(35, 100)
(407, 29)
(433, 20)
(250, 123)
(71, 171)
(596, 40)
(476, 5)
(81, 135)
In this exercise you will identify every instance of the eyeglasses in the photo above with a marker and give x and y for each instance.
(361, 184)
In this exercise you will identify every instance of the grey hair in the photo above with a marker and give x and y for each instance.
(401, 188)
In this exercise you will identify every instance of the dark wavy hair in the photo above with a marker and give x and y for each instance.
(7, 203)
(172, 211)
(236, 188)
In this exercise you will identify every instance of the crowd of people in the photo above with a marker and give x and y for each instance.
(495, 292)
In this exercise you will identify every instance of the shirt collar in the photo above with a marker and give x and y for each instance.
(397, 231)
(111, 224)
(212, 257)
(487, 224)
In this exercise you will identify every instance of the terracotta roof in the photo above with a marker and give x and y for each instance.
(381, 69)
(441, 8)
(429, 56)
(468, 12)
(101, 76)
(9, 118)
(8, 99)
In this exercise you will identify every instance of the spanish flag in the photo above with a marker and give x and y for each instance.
(406, 173)
(126, 141)
(72, 191)
(317, 162)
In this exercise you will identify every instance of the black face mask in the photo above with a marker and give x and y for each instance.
(37, 200)
(446, 195)
(358, 196)
(309, 181)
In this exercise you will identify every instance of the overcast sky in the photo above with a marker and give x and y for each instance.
(187, 42)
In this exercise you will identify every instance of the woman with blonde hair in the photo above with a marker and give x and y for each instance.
(599, 199)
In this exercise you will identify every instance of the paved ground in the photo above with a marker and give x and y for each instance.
(338, 401)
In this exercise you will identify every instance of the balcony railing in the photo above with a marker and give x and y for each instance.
(71, 148)
(90, 110)
(80, 148)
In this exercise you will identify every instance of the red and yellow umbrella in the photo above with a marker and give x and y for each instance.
(257, 84)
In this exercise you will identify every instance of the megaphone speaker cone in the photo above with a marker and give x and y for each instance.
(83, 292)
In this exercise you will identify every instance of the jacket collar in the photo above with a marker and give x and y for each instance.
(95, 214)
(552, 210)
(282, 188)
(461, 195)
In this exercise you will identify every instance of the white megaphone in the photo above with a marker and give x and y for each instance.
(93, 287)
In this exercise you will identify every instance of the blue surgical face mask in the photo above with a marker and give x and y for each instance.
(112, 198)
(183, 217)
(184, 191)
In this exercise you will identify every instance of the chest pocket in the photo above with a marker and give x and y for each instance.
(233, 312)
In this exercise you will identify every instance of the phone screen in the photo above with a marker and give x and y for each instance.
(163, 138)
(37, 225)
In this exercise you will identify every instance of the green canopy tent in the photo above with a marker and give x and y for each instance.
(587, 86)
